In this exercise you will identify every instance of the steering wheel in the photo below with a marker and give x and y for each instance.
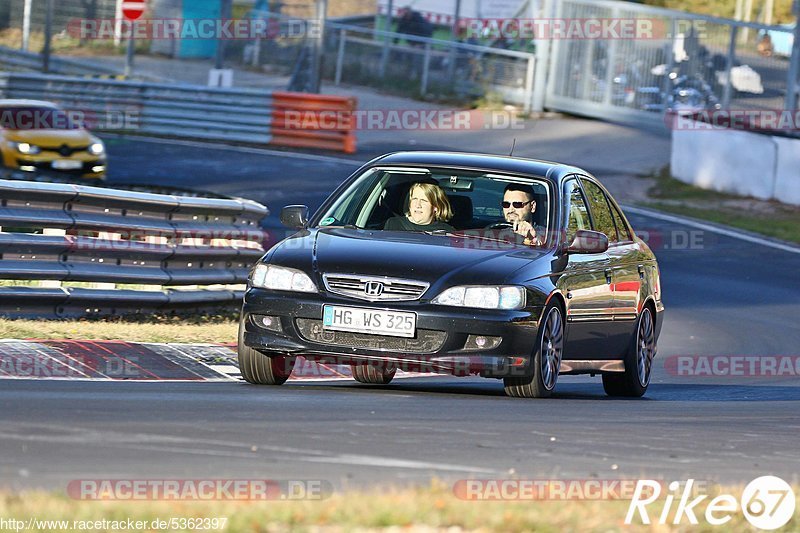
(500, 225)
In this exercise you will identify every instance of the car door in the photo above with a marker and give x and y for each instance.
(586, 285)
(625, 285)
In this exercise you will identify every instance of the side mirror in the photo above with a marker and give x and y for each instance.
(588, 242)
(294, 216)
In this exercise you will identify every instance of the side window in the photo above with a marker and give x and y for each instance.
(601, 212)
(578, 217)
(619, 221)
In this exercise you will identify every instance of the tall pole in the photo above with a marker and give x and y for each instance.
(118, 23)
(225, 14)
(769, 8)
(793, 83)
(131, 49)
(319, 42)
(543, 52)
(26, 25)
(48, 33)
(387, 26)
(748, 10)
(451, 68)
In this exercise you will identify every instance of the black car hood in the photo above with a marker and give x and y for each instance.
(406, 255)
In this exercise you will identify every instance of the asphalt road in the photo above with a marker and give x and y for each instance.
(724, 296)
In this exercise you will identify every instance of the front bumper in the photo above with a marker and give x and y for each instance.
(439, 344)
(89, 167)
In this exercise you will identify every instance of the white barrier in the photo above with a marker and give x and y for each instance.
(738, 162)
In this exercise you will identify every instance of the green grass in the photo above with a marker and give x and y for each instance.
(136, 328)
(433, 508)
(768, 218)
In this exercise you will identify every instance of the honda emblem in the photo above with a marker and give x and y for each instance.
(373, 288)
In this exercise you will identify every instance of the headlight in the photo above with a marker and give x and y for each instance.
(97, 148)
(26, 148)
(499, 297)
(281, 279)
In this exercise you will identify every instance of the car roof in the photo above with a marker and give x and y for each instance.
(20, 102)
(487, 162)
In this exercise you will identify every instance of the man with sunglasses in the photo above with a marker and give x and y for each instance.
(519, 204)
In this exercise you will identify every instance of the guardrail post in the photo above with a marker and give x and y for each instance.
(340, 56)
(728, 89)
(426, 63)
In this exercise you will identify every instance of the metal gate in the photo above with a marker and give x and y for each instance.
(683, 61)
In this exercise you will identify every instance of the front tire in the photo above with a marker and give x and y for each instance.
(546, 361)
(261, 369)
(634, 381)
(375, 375)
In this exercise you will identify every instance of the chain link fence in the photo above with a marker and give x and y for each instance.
(688, 62)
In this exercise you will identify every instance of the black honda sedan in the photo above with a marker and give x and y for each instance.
(530, 270)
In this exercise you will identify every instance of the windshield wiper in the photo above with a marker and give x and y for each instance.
(344, 226)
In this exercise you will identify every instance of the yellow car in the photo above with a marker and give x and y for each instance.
(40, 137)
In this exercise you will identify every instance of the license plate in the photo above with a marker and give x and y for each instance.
(67, 164)
(372, 321)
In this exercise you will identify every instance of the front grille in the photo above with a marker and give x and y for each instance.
(64, 150)
(391, 289)
(427, 340)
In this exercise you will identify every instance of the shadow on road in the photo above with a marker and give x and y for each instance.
(593, 391)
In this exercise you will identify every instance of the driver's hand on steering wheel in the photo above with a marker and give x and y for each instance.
(526, 230)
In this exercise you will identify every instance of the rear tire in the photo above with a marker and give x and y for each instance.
(261, 369)
(546, 361)
(634, 381)
(372, 374)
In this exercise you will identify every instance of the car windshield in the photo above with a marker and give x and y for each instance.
(37, 118)
(382, 196)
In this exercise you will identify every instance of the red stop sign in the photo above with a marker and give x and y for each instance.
(132, 9)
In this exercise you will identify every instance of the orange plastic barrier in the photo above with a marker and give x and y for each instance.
(304, 120)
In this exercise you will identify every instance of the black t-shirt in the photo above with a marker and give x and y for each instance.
(400, 223)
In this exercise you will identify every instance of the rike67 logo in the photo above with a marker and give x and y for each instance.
(767, 502)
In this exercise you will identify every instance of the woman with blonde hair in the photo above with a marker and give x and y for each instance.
(428, 210)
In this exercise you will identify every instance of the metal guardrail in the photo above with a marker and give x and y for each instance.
(176, 251)
(21, 60)
(184, 111)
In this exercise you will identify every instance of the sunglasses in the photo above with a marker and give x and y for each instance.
(517, 205)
